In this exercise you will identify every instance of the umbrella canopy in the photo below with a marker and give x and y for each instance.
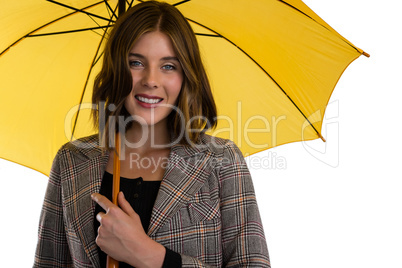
(272, 64)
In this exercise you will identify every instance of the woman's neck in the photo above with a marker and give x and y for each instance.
(145, 138)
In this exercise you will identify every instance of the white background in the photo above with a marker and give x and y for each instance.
(323, 205)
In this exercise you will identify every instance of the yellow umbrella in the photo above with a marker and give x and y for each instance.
(272, 64)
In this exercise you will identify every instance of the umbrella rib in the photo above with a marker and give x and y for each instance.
(80, 10)
(96, 21)
(110, 8)
(94, 61)
(251, 58)
(45, 25)
(210, 35)
(289, 5)
(97, 59)
(182, 2)
(176, 4)
(65, 32)
(130, 4)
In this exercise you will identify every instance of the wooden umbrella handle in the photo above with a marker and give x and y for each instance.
(110, 262)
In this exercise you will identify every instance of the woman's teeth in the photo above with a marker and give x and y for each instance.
(150, 101)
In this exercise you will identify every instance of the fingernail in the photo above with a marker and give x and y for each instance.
(93, 196)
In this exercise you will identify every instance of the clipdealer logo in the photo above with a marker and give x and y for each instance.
(325, 152)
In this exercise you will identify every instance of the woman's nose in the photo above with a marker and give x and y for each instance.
(150, 78)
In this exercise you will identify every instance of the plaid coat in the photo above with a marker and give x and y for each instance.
(205, 210)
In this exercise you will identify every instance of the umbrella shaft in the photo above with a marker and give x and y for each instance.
(122, 7)
(111, 263)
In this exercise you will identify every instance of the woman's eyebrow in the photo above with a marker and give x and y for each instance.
(136, 55)
(169, 58)
(162, 59)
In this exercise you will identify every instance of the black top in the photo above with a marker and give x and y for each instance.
(141, 195)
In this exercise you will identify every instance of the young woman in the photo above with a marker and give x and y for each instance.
(187, 198)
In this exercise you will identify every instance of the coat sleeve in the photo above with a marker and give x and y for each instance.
(243, 239)
(52, 248)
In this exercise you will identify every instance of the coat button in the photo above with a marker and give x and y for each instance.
(136, 195)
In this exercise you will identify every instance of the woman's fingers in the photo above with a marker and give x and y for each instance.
(108, 206)
(102, 201)
(111, 209)
(125, 205)
(99, 216)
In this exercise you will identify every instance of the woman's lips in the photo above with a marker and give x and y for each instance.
(147, 101)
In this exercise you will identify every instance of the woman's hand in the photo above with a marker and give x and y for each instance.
(122, 237)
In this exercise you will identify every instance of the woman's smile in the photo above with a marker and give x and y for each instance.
(147, 101)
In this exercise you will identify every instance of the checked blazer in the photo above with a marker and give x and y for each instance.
(205, 210)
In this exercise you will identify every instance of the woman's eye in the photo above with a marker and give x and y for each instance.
(135, 63)
(169, 67)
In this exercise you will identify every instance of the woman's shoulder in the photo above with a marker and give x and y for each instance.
(216, 144)
(208, 144)
(224, 147)
(87, 147)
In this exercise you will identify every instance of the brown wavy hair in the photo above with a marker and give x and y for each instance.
(114, 82)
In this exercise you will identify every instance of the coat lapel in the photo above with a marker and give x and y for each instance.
(187, 171)
(86, 177)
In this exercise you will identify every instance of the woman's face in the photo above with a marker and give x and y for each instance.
(157, 79)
